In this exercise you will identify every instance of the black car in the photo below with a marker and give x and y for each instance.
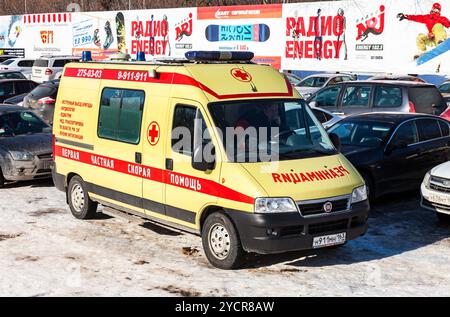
(42, 100)
(25, 145)
(13, 87)
(393, 151)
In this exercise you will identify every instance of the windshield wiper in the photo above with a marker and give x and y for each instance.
(314, 150)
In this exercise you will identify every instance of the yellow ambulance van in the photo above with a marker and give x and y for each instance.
(212, 144)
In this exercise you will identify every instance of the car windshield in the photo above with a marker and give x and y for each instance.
(21, 122)
(8, 61)
(313, 82)
(12, 75)
(270, 130)
(361, 132)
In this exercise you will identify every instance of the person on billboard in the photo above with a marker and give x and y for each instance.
(435, 23)
(318, 40)
(341, 27)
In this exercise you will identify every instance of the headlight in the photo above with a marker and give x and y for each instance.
(21, 156)
(274, 205)
(426, 180)
(359, 194)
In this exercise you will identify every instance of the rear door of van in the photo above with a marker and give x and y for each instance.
(427, 99)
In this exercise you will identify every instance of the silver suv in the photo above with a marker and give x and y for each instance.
(48, 68)
(375, 96)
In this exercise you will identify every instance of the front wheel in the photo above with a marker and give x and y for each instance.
(221, 242)
(81, 206)
(443, 218)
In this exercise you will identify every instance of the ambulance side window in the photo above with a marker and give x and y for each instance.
(121, 115)
(183, 128)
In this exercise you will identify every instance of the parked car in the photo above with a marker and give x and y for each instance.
(42, 100)
(16, 100)
(325, 117)
(435, 191)
(293, 79)
(393, 151)
(23, 65)
(398, 77)
(13, 87)
(446, 114)
(11, 74)
(445, 87)
(313, 83)
(25, 145)
(387, 96)
(50, 67)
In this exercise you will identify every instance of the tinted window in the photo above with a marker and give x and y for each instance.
(18, 123)
(429, 129)
(388, 96)
(40, 63)
(121, 114)
(407, 134)
(362, 133)
(6, 89)
(358, 96)
(28, 63)
(424, 98)
(321, 116)
(183, 126)
(43, 91)
(445, 88)
(23, 87)
(445, 128)
(12, 75)
(8, 61)
(327, 97)
(313, 82)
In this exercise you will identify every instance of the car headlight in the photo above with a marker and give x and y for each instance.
(21, 156)
(359, 194)
(426, 180)
(274, 205)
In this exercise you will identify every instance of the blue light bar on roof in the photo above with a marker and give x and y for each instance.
(219, 56)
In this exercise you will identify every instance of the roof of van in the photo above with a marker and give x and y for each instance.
(217, 80)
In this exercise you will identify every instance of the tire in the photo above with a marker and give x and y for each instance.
(443, 218)
(81, 206)
(2, 179)
(227, 253)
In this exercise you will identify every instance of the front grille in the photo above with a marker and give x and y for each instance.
(291, 231)
(45, 156)
(41, 171)
(317, 208)
(439, 188)
(430, 204)
(328, 226)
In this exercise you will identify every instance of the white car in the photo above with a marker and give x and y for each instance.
(436, 191)
(313, 83)
(48, 68)
(23, 65)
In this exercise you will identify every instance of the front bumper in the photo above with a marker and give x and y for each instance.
(27, 170)
(435, 200)
(277, 233)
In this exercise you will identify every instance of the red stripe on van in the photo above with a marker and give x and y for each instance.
(165, 78)
(187, 182)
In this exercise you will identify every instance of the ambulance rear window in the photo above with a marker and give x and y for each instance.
(121, 115)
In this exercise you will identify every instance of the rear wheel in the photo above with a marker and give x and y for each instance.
(221, 242)
(81, 206)
(443, 218)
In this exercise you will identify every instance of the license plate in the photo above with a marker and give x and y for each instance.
(440, 199)
(326, 241)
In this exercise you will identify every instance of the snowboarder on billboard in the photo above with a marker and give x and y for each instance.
(435, 23)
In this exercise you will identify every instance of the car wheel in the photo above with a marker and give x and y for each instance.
(443, 218)
(81, 206)
(221, 242)
(2, 179)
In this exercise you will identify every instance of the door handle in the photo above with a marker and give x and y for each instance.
(169, 164)
(138, 158)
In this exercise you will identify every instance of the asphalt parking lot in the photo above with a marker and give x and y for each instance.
(44, 251)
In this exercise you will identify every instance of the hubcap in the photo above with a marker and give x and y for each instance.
(77, 197)
(219, 241)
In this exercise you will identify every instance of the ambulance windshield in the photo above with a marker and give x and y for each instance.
(269, 130)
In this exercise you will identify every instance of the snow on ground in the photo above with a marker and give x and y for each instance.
(44, 251)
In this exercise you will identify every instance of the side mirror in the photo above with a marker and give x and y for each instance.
(336, 141)
(201, 161)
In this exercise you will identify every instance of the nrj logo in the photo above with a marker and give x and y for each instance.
(184, 28)
(221, 14)
(47, 37)
(371, 24)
